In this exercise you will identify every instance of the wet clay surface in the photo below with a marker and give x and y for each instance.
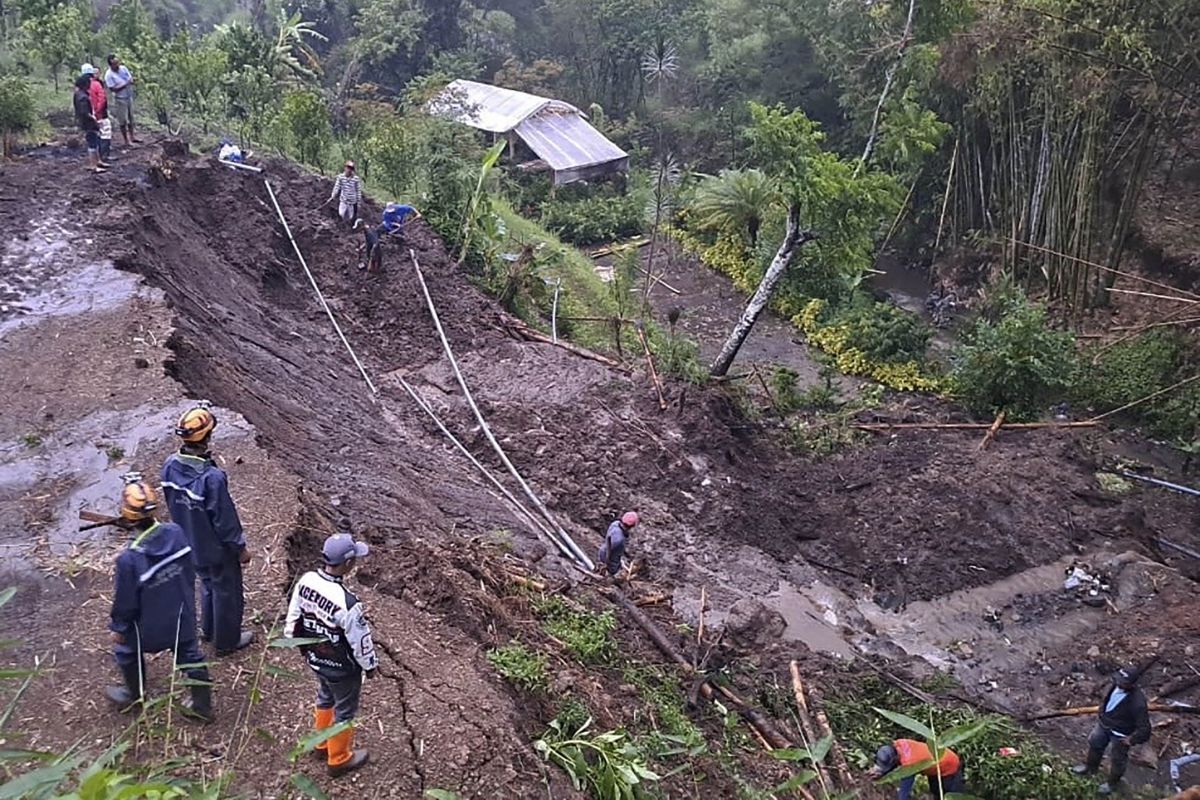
(907, 518)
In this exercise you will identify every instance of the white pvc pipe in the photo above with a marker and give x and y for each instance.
(580, 556)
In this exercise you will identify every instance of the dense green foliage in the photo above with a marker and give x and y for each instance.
(586, 635)
(1032, 772)
(16, 110)
(594, 220)
(1014, 363)
(520, 666)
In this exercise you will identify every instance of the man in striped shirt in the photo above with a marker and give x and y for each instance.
(347, 190)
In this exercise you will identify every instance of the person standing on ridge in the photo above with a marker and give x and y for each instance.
(154, 601)
(615, 540)
(87, 123)
(99, 99)
(119, 81)
(909, 753)
(1124, 721)
(348, 191)
(197, 493)
(321, 607)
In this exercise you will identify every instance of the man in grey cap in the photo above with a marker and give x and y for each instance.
(1124, 721)
(323, 608)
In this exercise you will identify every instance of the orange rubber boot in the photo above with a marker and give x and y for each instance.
(342, 757)
(322, 719)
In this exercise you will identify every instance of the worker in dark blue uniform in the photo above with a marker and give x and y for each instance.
(154, 602)
(197, 493)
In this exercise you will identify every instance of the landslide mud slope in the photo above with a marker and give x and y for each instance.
(913, 516)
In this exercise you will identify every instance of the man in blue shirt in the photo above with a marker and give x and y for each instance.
(197, 493)
(395, 215)
(119, 81)
(1124, 721)
(153, 606)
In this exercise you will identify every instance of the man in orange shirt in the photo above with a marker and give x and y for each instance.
(909, 752)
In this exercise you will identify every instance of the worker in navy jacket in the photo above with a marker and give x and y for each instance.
(154, 603)
(615, 541)
(197, 493)
(1123, 721)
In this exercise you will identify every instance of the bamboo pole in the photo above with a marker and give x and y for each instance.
(662, 400)
(1187, 300)
(534, 335)
(1112, 270)
(806, 725)
(972, 426)
(946, 199)
(1148, 397)
(1161, 708)
(756, 719)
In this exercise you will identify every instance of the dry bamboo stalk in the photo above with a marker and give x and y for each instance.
(662, 401)
(527, 583)
(946, 199)
(658, 280)
(1145, 399)
(972, 426)
(534, 335)
(806, 725)
(1187, 300)
(1140, 328)
(1161, 708)
(844, 775)
(1123, 274)
(991, 433)
(703, 603)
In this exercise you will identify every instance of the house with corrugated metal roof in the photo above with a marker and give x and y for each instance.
(557, 135)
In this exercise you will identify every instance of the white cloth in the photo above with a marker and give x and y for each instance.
(105, 128)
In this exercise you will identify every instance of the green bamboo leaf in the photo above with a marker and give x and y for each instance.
(7, 595)
(294, 642)
(962, 733)
(307, 788)
(309, 743)
(907, 722)
(897, 775)
(279, 672)
(796, 781)
(26, 755)
(791, 754)
(821, 749)
(441, 794)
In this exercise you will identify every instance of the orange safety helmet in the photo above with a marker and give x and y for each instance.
(629, 519)
(138, 499)
(196, 424)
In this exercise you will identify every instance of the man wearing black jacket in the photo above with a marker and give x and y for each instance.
(1124, 721)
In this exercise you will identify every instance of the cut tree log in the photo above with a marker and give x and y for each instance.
(836, 756)
(1161, 708)
(793, 240)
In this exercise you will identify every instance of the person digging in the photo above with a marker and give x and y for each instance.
(154, 603)
(612, 550)
(1123, 722)
(910, 753)
(323, 608)
(370, 247)
(395, 217)
(197, 493)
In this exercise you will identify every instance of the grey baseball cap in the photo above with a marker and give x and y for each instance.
(341, 547)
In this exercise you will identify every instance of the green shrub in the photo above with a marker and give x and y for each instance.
(594, 220)
(886, 333)
(520, 666)
(16, 110)
(1132, 370)
(585, 634)
(1016, 364)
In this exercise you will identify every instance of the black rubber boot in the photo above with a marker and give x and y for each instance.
(360, 757)
(199, 705)
(130, 693)
(246, 639)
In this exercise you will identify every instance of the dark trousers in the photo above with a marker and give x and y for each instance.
(1098, 742)
(186, 652)
(950, 783)
(342, 696)
(221, 603)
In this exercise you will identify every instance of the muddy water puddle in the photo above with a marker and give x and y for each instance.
(45, 272)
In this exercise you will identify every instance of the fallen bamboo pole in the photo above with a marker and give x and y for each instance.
(534, 335)
(1129, 275)
(1147, 398)
(637, 244)
(657, 280)
(840, 766)
(972, 426)
(707, 688)
(807, 727)
(1187, 300)
(991, 434)
(1161, 708)
(662, 401)
(1175, 487)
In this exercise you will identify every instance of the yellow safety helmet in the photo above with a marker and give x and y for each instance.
(138, 499)
(196, 424)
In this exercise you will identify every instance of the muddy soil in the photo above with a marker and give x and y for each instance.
(905, 519)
